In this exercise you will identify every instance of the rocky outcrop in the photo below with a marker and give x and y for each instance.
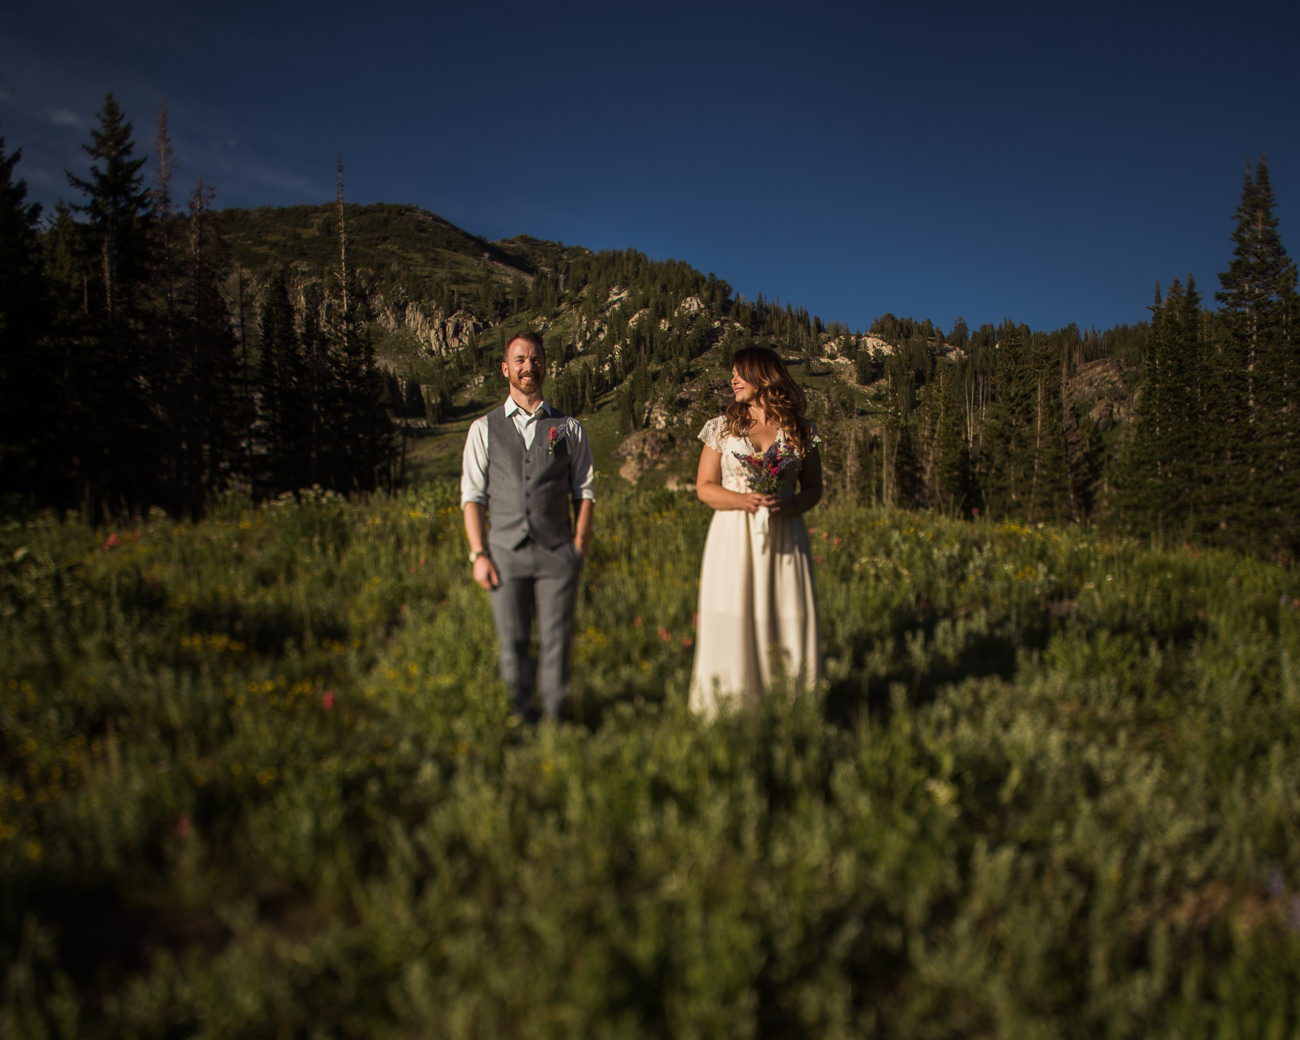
(453, 332)
(437, 332)
(1100, 390)
(848, 345)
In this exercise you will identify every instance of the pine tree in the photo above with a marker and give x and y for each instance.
(414, 405)
(1145, 458)
(316, 396)
(21, 284)
(953, 488)
(117, 212)
(28, 381)
(284, 397)
(211, 414)
(1049, 497)
(1174, 446)
(359, 448)
(907, 483)
(1259, 356)
(115, 433)
(1008, 458)
(164, 260)
(1255, 284)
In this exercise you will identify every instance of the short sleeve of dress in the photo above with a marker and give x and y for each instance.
(714, 434)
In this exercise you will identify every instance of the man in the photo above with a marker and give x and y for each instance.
(527, 465)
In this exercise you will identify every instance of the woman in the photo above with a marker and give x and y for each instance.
(760, 472)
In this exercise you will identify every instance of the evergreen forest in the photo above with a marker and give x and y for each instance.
(156, 353)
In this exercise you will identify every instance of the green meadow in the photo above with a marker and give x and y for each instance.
(259, 779)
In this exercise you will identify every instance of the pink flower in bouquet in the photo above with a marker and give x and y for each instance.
(765, 473)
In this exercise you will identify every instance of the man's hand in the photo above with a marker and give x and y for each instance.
(485, 573)
(788, 506)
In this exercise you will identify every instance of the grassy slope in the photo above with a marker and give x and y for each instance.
(257, 770)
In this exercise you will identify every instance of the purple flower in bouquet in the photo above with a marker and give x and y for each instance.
(765, 473)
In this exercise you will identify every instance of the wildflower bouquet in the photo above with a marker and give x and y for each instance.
(765, 474)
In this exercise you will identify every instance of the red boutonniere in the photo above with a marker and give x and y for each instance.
(552, 439)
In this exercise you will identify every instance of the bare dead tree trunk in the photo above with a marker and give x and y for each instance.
(1038, 453)
(162, 196)
(343, 242)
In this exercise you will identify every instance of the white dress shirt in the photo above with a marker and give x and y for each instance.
(473, 474)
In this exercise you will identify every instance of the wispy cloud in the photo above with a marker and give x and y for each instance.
(66, 117)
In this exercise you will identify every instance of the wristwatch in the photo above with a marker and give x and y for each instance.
(475, 554)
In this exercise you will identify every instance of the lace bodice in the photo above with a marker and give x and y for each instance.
(734, 471)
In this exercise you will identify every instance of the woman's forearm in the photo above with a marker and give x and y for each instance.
(715, 496)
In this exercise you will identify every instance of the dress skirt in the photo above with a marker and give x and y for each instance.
(757, 621)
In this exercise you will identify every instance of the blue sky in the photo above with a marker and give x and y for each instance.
(1038, 162)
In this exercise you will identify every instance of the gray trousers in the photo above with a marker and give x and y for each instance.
(543, 584)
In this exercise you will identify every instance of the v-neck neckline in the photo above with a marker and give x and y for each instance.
(764, 451)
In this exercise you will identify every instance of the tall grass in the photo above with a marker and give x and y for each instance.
(259, 778)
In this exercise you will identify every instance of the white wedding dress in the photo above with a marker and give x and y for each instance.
(757, 619)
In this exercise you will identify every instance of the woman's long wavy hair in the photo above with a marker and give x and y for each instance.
(778, 395)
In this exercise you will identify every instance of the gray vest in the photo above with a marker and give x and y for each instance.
(529, 490)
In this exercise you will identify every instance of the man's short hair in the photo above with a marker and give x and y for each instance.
(528, 337)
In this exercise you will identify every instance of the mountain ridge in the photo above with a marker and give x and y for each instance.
(636, 346)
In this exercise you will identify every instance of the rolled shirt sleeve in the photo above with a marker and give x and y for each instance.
(583, 467)
(473, 469)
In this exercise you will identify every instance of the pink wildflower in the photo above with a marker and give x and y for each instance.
(112, 541)
(664, 634)
(328, 700)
